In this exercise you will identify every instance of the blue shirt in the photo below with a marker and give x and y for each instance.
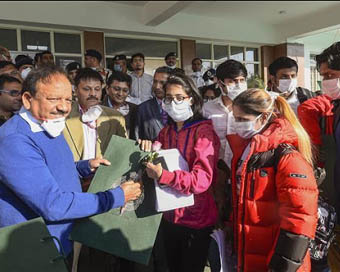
(38, 177)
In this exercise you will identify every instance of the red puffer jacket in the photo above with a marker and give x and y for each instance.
(199, 145)
(271, 203)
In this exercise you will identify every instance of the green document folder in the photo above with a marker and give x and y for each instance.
(29, 247)
(130, 235)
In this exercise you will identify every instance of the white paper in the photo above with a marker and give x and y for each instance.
(168, 198)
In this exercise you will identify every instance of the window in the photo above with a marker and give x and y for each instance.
(67, 43)
(203, 50)
(35, 40)
(236, 53)
(220, 53)
(8, 39)
(62, 61)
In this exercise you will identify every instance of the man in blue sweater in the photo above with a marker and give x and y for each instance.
(38, 176)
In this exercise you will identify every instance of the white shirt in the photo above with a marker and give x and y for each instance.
(141, 87)
(123, 109)
(293, 101)
(197, 77)
(28, 117)
(218, 113)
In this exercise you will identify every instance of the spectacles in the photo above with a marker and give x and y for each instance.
(178, 99)
(206, 99)
(13, 93)
(118, 89)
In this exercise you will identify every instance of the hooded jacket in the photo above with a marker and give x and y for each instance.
(272, 205)
(199, 145)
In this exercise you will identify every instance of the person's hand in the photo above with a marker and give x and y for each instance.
(94, 163)
(132, 190)
(154, 171)
(145, 145)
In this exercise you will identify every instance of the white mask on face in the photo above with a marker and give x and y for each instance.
(92, 114)
(331, 87)
(54, 127)
(287, 86)
(209, 82)
(25, 72)
(179, 113)
(172, 67)
(234, 90)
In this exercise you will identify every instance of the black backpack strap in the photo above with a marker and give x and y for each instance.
(304, 94)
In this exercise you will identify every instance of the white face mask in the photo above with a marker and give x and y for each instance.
(331, 87)
(209, 82)
(172, 67)
(54, 127)
(287, 86)
(92, 114)
(179, 113)
(234, 90)
(117, 68)
(25, 72)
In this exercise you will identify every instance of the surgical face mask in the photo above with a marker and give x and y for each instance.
(178, 112)
(209, 82)
(92, 114)
(331, 87)
(172, 67)
(117, 68)
(54, 127)
(287, 86)
(234, 90)
(25, 72)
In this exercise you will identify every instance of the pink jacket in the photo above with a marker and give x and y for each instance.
(199, 145)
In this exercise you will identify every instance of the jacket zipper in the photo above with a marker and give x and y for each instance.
(252, 185)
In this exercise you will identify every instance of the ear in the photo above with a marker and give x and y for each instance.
(27, 100)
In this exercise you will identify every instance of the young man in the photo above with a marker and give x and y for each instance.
(46, 58)
(71, 70)
(151, 118)
(10, 97)
(118, 89)
(141, 82)
(283, 76)
(119, 64)
(24, 65)
(92, 60)
(197, 76)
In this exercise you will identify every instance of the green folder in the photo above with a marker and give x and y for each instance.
(29, 247)
(130, 235)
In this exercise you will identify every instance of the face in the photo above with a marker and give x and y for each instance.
(118, 92)
(10, 103)
(176, 91)
(47, 59)
(23, 67)
(89, 93)
(52, 100)
(137, 63)
(209, 95)
(286, 73)
(241, 116)
(328, 73)
(159, 80)
(72, 75)
(12, 71)
(88, 61)
(171, 61)
(122, 64)
(232, 81)
(197, 66)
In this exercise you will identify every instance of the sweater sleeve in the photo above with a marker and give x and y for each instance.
(199, 179)
(27, 175)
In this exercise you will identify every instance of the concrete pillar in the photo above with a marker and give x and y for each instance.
(95, 40)
(188, 53)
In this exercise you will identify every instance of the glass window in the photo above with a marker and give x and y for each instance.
(35, 40)
(253, 69)
(62, 61)
(206, 65)
(203, 50)
(252, 54)
(8, 39)
(128, 47)
(67, 43)
(220, 52)
(236, 53)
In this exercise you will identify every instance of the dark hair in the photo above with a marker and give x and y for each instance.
(87, 74)
(178, 71)
(281, 63)
(231, 69)
(120, 77)
(192, 62)
(204, 89)
(46, 52)
(137, 55)
(42, 74)
(5, 63)
(164, 70)
(23, 61)
(331, 56)
(190, 89)
(7, 79)
(37, 57)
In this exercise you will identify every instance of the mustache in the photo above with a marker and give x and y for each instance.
(59, 112)
(92, 98)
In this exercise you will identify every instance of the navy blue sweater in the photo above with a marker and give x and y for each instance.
(38, 177)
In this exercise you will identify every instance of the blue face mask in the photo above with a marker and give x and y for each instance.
(117, 68)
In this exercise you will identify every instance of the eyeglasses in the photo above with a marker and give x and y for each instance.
(178, 99)
(118, 89)
(13, 93)
(206, 99)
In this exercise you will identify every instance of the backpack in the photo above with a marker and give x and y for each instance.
(304, 94)
(326, 213)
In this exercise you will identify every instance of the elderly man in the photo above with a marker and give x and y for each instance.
(37, 171)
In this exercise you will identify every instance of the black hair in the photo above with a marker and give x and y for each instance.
(26, 60)
(42, 74)
(281, 63)
(45, 52)
(164, 70)
(87, 74)
(190, 89)
(141, 55)
(331, 56)
(192, 62)
(204, 89)
(37, 57)
(7, 79)
(231, 69)
(120, 77)
(5, 63)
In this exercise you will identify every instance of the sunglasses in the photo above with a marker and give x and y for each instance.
(13, 93)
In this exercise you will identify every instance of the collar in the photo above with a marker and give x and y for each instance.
(219, 101)
(28, 117)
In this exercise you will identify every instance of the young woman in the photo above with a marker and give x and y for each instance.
(210, 92)
(273, 184)
(187, 230)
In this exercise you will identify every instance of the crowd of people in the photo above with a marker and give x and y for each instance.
(263, 163)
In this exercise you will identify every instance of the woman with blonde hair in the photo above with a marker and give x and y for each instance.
(274, 190)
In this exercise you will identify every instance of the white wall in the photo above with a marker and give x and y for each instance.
(307, 69)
